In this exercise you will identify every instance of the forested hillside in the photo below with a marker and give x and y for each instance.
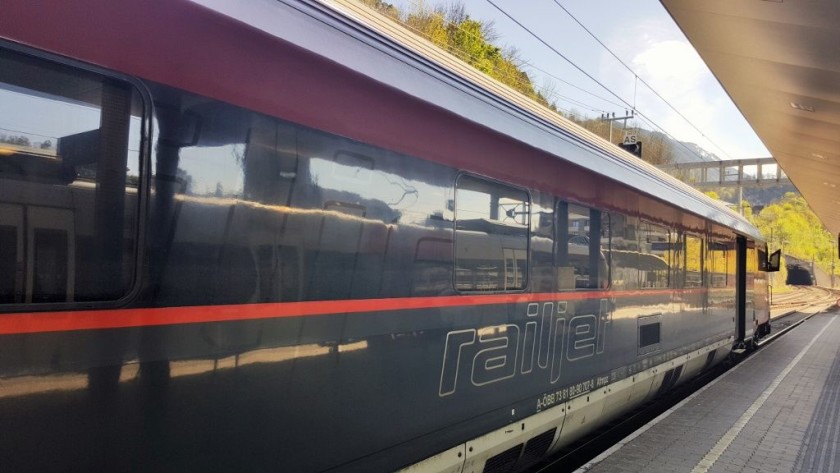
(790, 224)
(451, 28)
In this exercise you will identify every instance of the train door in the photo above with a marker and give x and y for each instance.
(757, 267)
(743, 305)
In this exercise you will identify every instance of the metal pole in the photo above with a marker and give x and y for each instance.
(628, 115)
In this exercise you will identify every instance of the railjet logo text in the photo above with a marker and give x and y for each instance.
(500, 352)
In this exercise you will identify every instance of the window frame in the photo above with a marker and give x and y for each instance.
(527, 228)
(144, 172)
(645, 225)
(685, 235)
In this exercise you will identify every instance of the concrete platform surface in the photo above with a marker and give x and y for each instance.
(778, 411)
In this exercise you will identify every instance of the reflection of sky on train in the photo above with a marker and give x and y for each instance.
(217, 171)
(285, 210)
(214, 168)
(41, 117)
(415, 199)
(476, 205)
(632, 311)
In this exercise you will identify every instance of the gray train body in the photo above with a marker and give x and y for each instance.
(269, 237)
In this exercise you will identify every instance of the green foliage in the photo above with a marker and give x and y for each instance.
(383, 7)
(790, 224)
(451, 28)
(747, 211)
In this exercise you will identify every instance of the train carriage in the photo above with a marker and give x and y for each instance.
(284, 236)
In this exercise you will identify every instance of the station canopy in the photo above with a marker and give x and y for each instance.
(779, 61)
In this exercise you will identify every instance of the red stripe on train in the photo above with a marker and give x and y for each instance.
(37, 322)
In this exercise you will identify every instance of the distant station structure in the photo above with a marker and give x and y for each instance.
(731, 173)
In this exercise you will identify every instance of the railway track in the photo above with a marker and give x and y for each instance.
(798, 306)
(803, 295)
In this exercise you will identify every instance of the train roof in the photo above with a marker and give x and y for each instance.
(371, 44)
(201, 38)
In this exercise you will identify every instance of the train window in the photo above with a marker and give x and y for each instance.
(582, 238)
(752, 264)
(543, 271)
(491, 238)
(718, 264)
(250, 208)
(654, 256)
(624, 252)
(69, 173)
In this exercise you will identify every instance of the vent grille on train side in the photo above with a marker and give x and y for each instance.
(710, 358)
(503, 462)
(670, 379)
(536, 448)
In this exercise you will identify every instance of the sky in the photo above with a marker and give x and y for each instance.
(645, 38)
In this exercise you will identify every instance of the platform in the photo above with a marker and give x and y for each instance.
(777, 411)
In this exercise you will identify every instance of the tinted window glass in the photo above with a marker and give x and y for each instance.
(491, 240)
(583, 239)
(69, 170)
(624, 252)
(543, 270)
(654, 256)
(718, 264)
(250, 208)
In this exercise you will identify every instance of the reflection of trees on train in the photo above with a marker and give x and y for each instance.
(647, 255)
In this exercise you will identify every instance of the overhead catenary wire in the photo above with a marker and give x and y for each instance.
(466, 56)
(582, 71)
(548, 74)
(638, 78)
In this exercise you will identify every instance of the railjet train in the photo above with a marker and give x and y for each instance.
(284, 235)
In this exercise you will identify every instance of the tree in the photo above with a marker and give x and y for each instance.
(473, 41)
(790, 224)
